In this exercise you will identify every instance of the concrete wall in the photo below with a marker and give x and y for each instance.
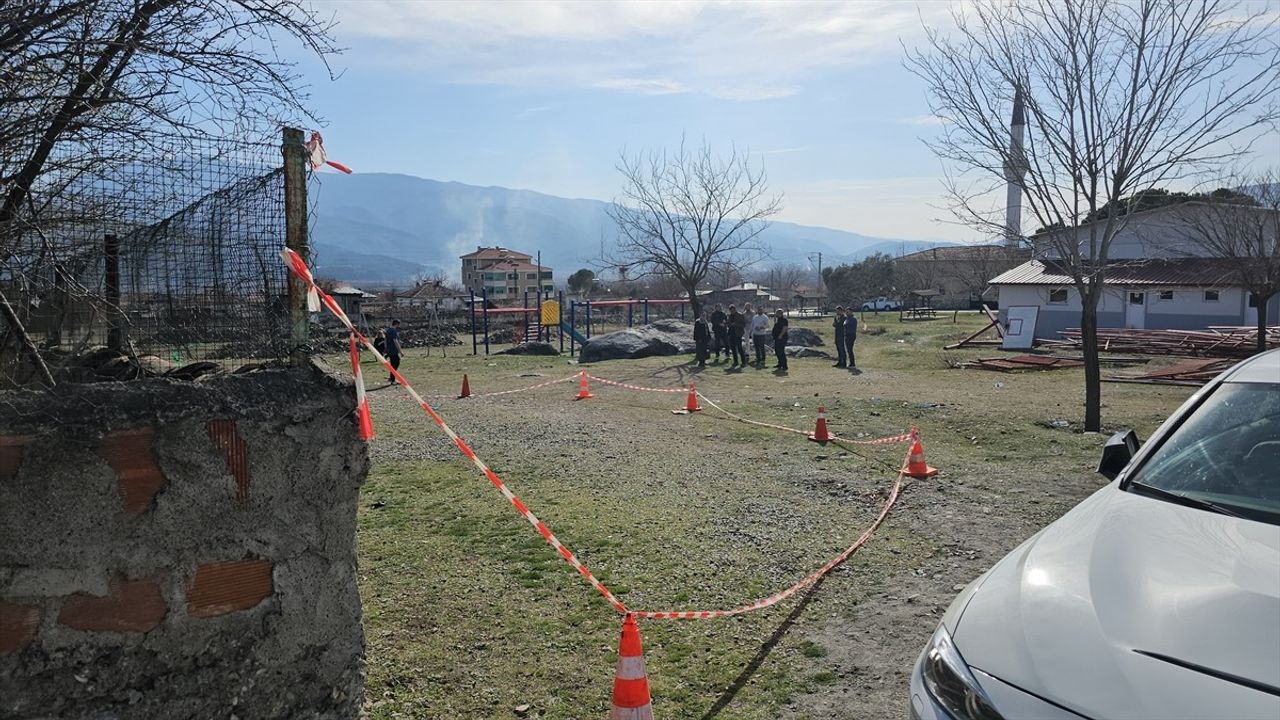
(181, 550)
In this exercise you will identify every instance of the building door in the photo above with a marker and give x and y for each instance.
(1251, 311)
(1135, 310)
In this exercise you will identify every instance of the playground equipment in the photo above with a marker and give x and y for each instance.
(540, 318)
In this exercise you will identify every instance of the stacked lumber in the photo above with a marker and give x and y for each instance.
(1187, 372)
(1023, 362)
(1214, 342)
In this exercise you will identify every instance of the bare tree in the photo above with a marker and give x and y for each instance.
(1243, 229)
(684, 212)
(782, 278)
(89, 87)
(1120, 97)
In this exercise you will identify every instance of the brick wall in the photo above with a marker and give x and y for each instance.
(174, 550)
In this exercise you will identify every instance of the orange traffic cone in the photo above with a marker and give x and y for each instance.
(631, 683)
(362, 402)
(820, 433)
(466, 388)
(916, 466)
(690, 403)
(583, 391)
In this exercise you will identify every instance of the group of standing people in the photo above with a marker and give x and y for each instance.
(727, 333)
(718, 332)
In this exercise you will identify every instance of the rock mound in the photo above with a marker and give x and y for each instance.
(664, 337)
(531, 348)
(804, 337)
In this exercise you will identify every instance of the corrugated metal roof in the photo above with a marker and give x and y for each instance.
(1179, 271)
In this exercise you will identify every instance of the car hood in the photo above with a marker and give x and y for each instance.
(1062, 615)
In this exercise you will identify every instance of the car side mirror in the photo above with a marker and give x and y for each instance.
(1117, 453)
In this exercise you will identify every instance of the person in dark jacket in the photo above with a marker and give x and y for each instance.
(719, 332)
(736, 325)
(780, 333)
(850, 335)
(843, 356)
(701, 338)
(391, 337)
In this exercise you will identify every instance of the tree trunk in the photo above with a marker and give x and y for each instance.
(1092, 370)
(694, 303)
(1262, 321)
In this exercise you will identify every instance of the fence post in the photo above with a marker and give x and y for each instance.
(588, 319)
(111, 292)
(295, 234)
(484, 299)
(646, 311)
(559, 318)
(473, 322)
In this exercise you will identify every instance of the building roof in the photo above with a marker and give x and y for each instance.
(1177, 271)
(495, 253)
(430, 290)
(962, 252)
(512, 266)
(351, 290)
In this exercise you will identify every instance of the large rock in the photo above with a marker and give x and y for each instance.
(800, 351)
(664, 337)
(804, 337)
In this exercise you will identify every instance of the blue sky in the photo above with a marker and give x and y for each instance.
(544, 95)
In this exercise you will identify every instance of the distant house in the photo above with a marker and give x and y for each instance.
(1156, 278)
(959, 275)
(432, 296)
(737, 295)
(351, 300)
(804, 297)
(504, 274)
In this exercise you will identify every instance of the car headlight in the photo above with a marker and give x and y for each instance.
(949, 681)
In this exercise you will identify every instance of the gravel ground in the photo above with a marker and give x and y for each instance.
(470, 614)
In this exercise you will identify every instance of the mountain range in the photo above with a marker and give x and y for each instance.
(383, 229)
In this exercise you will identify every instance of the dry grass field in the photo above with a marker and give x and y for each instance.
(469, 614)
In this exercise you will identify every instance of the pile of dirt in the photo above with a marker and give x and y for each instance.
(531, 348)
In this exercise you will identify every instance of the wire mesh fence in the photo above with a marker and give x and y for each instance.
(162, 257)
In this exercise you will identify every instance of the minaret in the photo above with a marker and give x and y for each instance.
(1015, 168)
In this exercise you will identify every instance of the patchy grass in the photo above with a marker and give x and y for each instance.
(468, 613)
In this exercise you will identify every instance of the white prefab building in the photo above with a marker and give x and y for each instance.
(1156, 279)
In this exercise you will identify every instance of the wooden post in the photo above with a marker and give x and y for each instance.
(295, 234)
(111, 292)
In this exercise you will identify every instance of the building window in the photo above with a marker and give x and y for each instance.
(1166, 294)
(1137, 298)
(531, 276)
(548, 288)
(546, 274)
(1253, 300)
(1211, 296)
(1058, 296)
(511, 276)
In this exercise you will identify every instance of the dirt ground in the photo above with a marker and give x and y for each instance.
(469, 614)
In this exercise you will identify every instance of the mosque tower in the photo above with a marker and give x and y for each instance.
(1015, 169)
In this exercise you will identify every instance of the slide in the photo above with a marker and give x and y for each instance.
(577, 336)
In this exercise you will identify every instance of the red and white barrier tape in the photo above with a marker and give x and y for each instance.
(296, 264)
(808, 580)
(891, 440)
(641, 388)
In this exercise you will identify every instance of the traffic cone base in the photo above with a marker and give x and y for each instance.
(631, 699)
(466, 388)
(820, 434)
(583, 392)
(690, 403)
(916, 465)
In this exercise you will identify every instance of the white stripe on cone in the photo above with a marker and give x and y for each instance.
(631, 668)
(640, 713)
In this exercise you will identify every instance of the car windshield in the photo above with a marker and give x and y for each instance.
(1225, 454)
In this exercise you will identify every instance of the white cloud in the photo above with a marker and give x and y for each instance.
(932, 120)
(729, 50)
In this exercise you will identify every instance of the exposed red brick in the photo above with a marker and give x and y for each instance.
(17, 626)
(12, 449)
(223, 587)
(132, 606)
(224, 436)
(130, 454)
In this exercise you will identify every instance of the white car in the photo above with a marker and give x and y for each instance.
(1156, 597)
(881, 303)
